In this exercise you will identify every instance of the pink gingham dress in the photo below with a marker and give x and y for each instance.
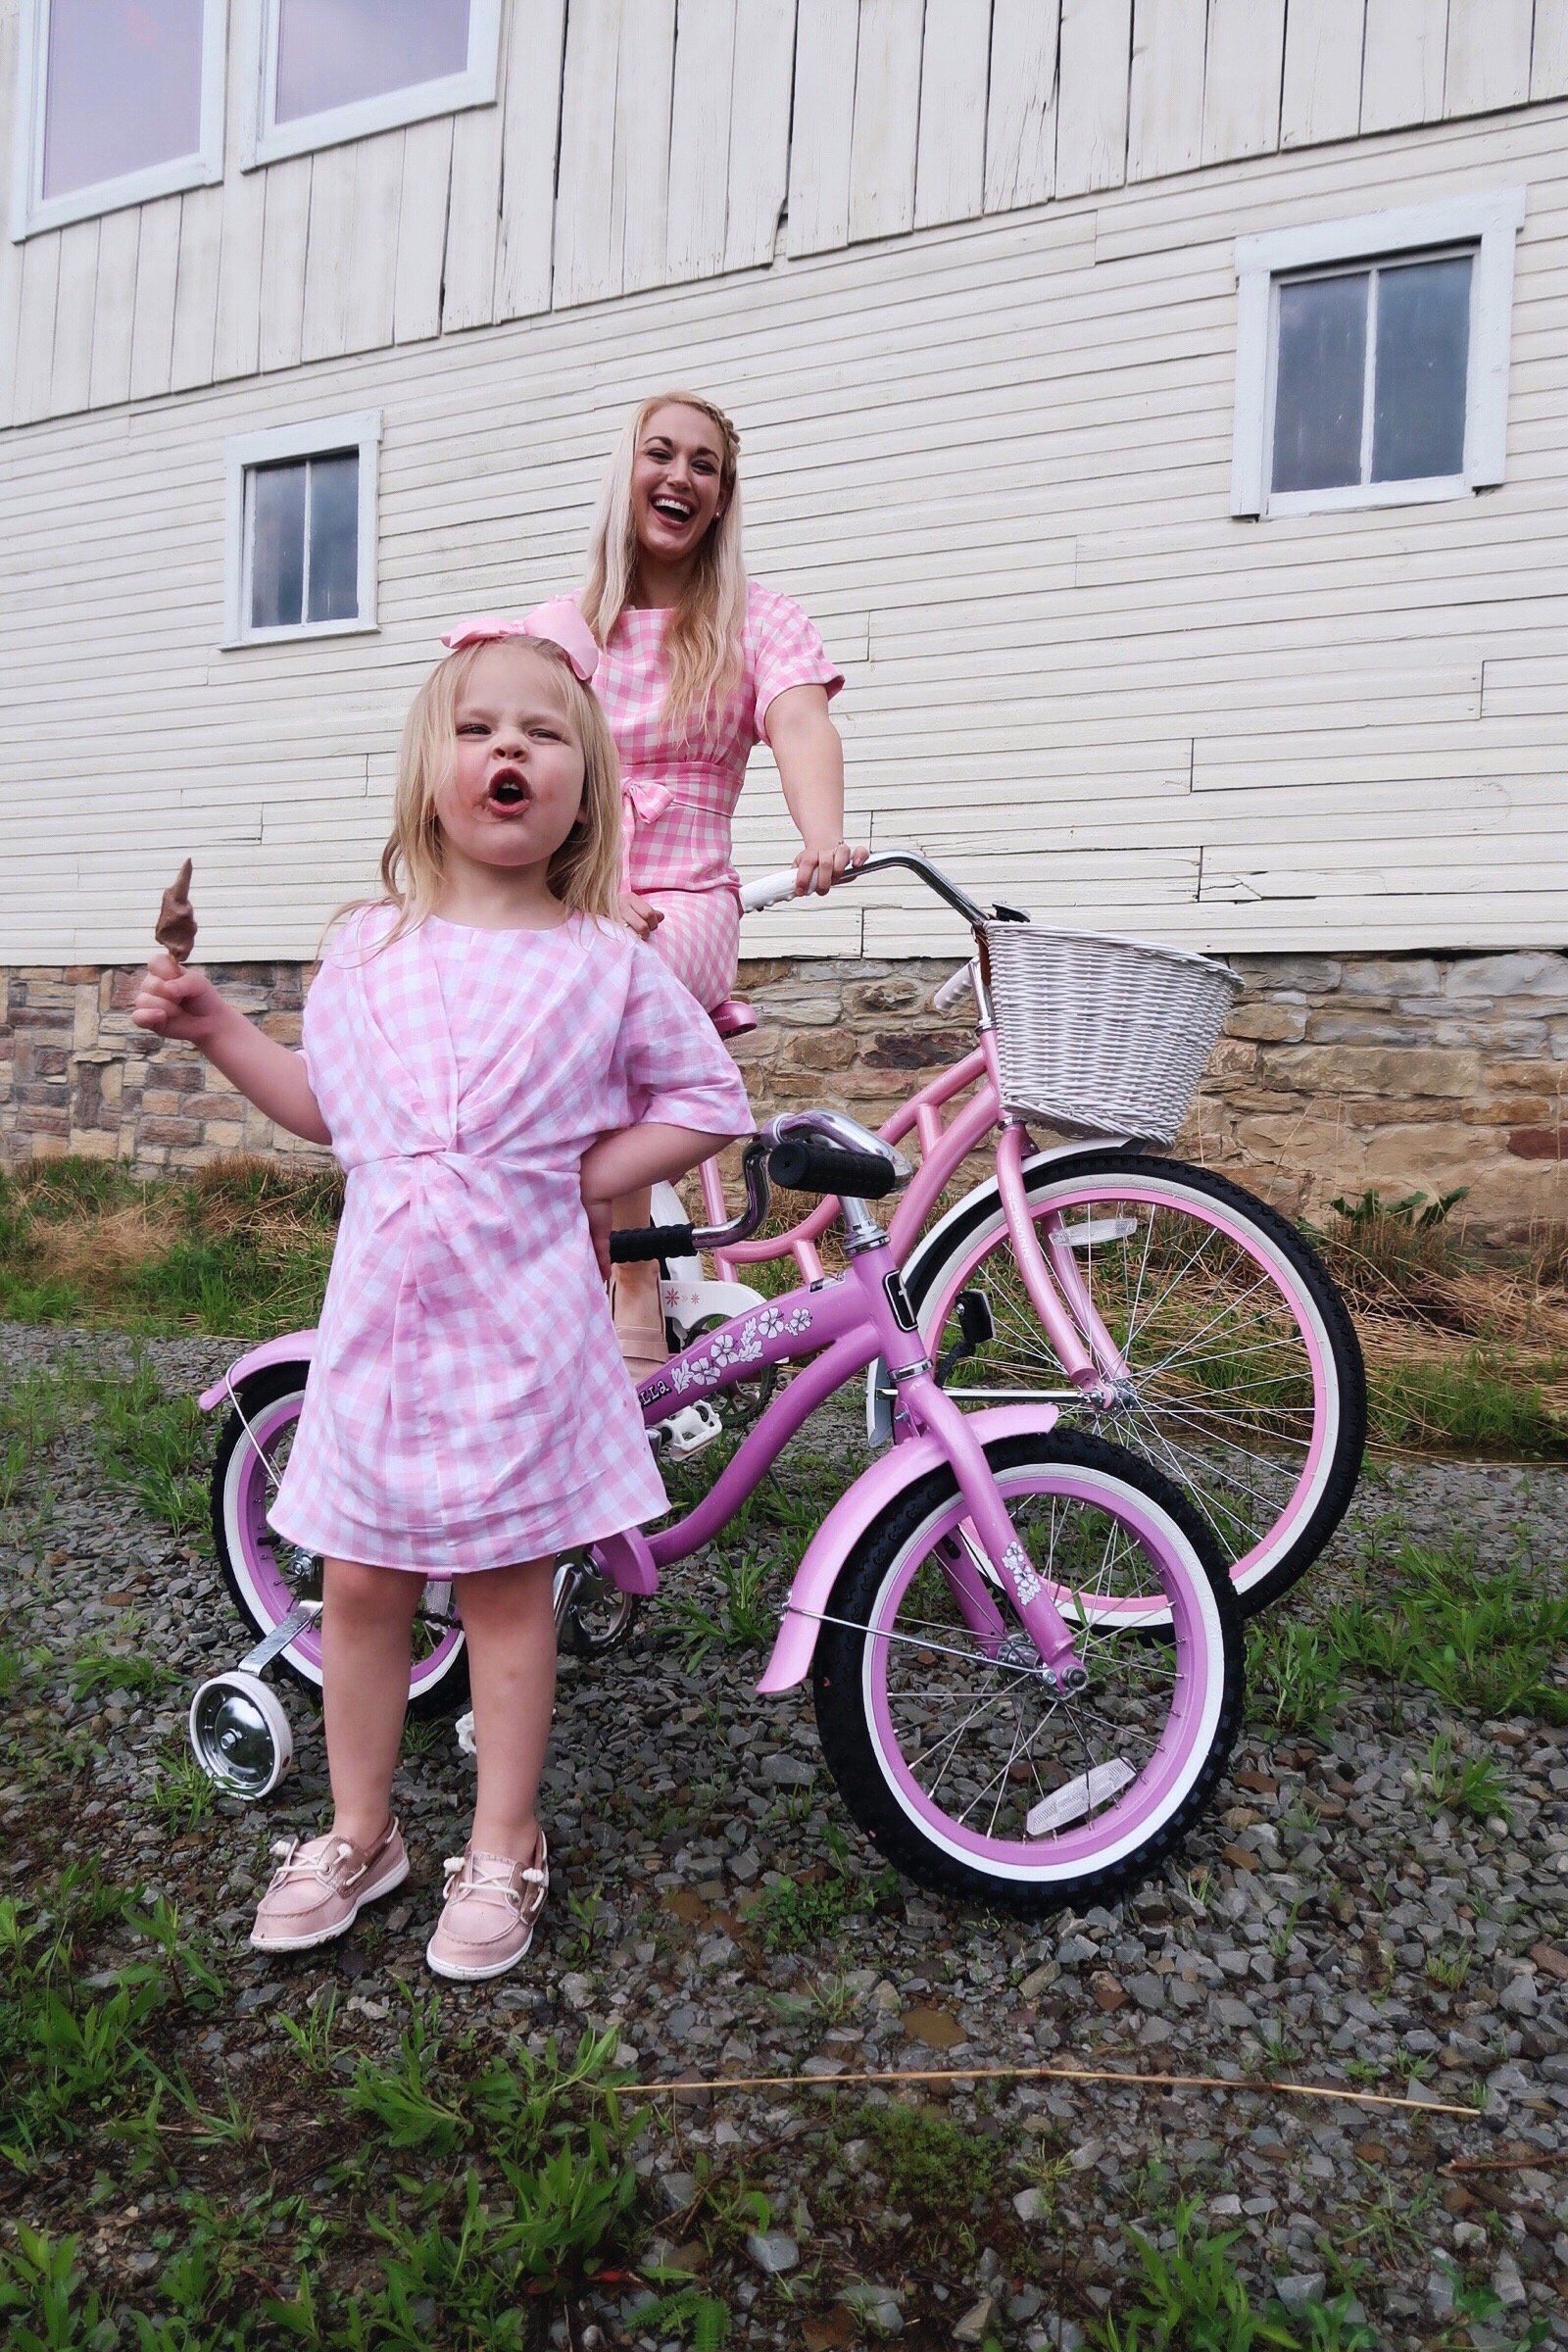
(680, 792)
(468, 1405)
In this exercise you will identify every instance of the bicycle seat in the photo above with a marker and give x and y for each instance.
(732, 1019)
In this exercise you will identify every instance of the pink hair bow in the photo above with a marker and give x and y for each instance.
(559, 621)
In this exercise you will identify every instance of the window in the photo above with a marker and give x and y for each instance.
(118, 101)
(1372, 358)
(331, 70)
(301, 553)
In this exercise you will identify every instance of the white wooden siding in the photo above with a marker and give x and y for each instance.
(695, 137)
(991, 457)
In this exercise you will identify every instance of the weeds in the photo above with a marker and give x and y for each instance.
(925, 2155)
(1472, 1784)
(1192, 2298)
(1293, 1676)
(792, 1912)
(743, 1619)
(101, 1666)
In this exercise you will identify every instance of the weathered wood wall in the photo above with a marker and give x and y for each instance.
(993, 461)
(699, 136)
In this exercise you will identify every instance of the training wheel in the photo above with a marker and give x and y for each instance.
(240, 1735)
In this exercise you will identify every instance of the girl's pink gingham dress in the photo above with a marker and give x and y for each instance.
(468, 1405)
(680, 794)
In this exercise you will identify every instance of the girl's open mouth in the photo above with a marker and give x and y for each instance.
(506, 789)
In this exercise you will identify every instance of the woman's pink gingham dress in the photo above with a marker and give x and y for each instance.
(680, 794)
(468, 1405)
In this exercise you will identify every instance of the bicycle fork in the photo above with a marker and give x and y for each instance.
(1056, 1289)
(936, 1416)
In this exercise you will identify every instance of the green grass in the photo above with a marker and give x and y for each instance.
(1192, 2298)
(240, 1248)
(1479, 1405)
(1488, 1640)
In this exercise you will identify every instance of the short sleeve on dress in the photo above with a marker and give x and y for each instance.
(785, 650)
(669, 1058)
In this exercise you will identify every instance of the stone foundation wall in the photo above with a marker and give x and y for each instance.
(1336, 1073)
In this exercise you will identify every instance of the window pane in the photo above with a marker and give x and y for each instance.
(331, 52)
(334, 538)
(277, 545)
(1320, 383)
(1422, 354)
(124, 88)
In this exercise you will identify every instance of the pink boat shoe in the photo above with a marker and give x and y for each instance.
(318, 1889)
(492, 1907)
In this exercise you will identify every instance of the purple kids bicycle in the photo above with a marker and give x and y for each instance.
(1025, 1650)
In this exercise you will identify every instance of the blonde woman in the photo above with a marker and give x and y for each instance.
(698, 666)
(474, 1045)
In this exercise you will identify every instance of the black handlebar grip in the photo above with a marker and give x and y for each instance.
(636, 1241)
(802, 1164)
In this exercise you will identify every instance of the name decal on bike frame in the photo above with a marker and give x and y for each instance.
(899, 1299)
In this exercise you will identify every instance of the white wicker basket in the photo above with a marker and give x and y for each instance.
(1101, 1034)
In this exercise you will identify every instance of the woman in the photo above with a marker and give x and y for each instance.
(699, 665)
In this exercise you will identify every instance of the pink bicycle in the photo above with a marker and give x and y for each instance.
(1025, 1652)
(1152, 1300)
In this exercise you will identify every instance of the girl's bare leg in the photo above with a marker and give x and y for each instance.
(365, 1623)
(509, 1617)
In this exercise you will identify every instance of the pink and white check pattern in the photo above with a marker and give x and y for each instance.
(468, 1405)
(681, 851)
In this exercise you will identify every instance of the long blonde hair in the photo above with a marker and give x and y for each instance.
(585, 872)
(704, 630)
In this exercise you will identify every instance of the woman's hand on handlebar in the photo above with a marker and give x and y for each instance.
(819, 867)
(639, 915)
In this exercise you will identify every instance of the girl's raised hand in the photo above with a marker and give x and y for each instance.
(819, 869)
(174, 1001)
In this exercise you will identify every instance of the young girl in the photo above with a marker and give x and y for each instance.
(474, 1044)
(699, 665)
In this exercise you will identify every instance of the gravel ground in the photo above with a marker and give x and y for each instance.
(1295, 1936)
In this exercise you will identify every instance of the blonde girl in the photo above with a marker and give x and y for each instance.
(474, 1042)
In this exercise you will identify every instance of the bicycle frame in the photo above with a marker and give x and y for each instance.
(852, 1318)
(1049, 1272)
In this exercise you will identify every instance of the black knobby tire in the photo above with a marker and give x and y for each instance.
(927, 1267)
(847, 1745)
(260, 1391)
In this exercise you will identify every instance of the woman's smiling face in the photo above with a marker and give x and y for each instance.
(678, 484)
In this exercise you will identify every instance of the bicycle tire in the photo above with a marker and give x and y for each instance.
(901, 1820)
(1279, 1554)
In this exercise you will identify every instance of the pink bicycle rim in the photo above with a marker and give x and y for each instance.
(1319, 1454)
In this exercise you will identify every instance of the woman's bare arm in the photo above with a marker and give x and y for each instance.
(807, 745)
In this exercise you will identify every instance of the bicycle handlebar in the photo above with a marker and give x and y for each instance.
(952, 988)
(769, 889)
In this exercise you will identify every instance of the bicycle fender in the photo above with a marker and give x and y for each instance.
(289, 1347)
(850, 1516)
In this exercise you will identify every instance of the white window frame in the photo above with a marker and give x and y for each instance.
(31, 209)
(264, 139)
(319, 437)
(1487, 227)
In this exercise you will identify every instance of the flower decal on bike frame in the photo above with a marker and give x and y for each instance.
(1017, 1564)
(728, 1349)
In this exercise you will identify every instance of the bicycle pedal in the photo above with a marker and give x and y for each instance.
(687, 1432)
